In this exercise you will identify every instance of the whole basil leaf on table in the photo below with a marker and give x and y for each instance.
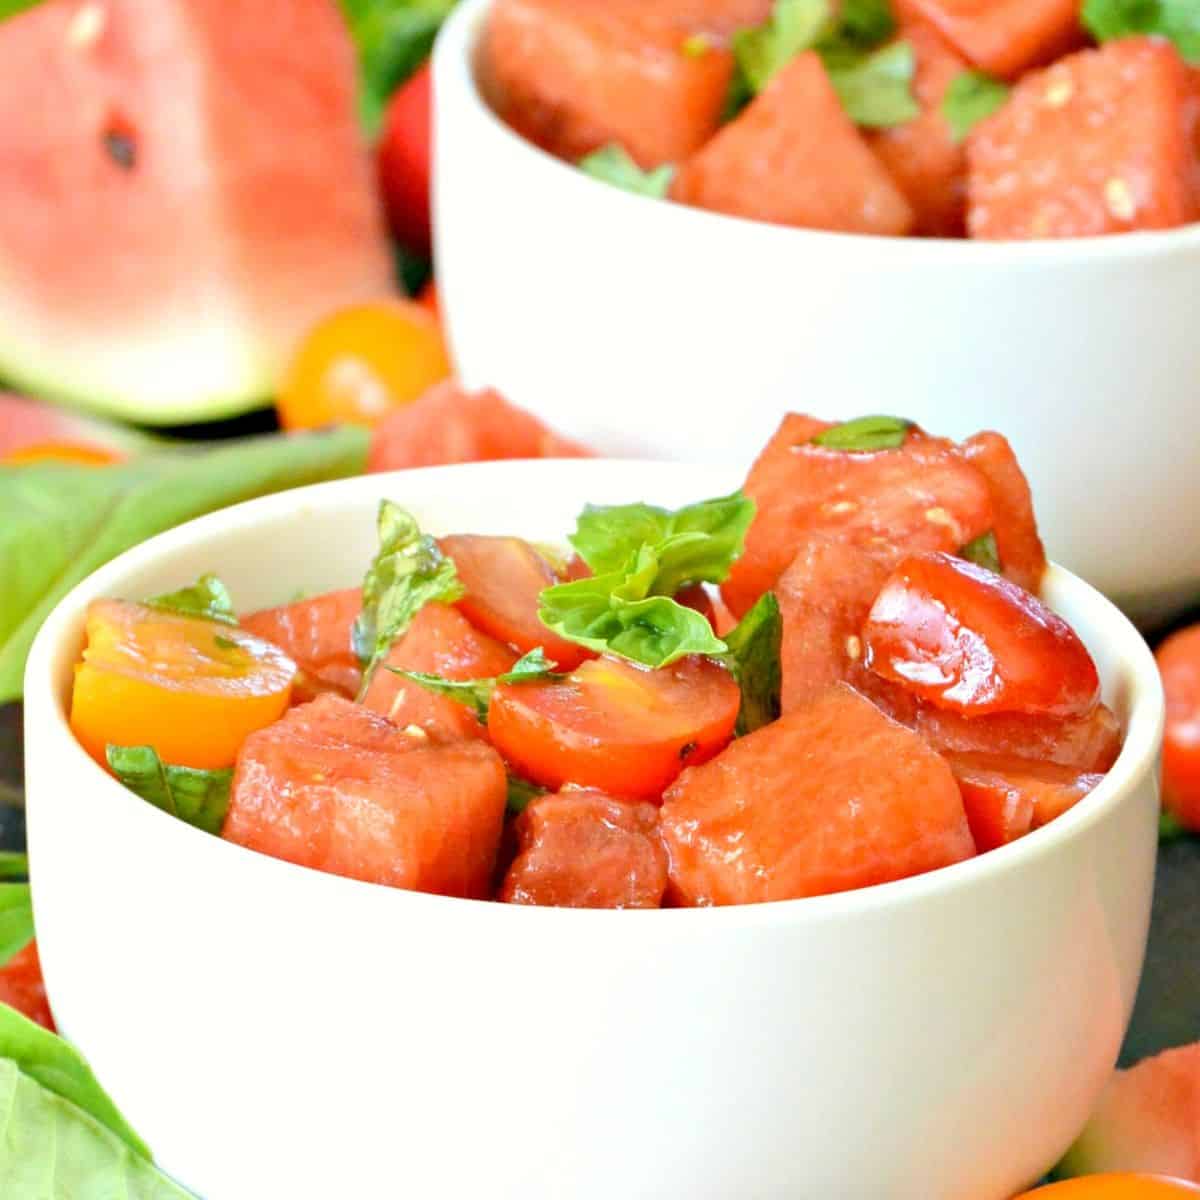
(58, 523)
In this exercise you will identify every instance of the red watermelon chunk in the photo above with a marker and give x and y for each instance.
(583, 849)
(1101, 142)
(574, 76)
(186, 191)
(339, 788)
(793, 157)
(922, 496)
(1003, 37)
(923, 156)
(830, 797)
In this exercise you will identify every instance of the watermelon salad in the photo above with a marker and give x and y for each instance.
(675, 708)
(1008, 120)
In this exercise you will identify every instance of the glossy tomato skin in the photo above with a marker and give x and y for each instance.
(503, 578)
(22, 986)
(1115, 1187)
(338, 788)
(1179, 663)
(584, 849)
(964, 638)
(404, 160)
(612, 725)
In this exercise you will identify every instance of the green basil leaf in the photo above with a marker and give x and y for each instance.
(13, 865)
(754, 652)
(61, 522)
(10, 8)
(793, 27)
(1170, 829)
(201, 798)
(613, 164)
(865, 434)
(521, 792)
(207, 597)
(409, 572)
(877, 90)
(56, 1066)
(695, 544)
(1178, 20)
(863, 26)
(476, 694)
(16, 920)
(971, 97)
(983, 551)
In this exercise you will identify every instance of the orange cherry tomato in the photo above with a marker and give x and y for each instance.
(503, 577)
(68, 452)
(193, 689)
(1179, 663)
(966, 639)
(612, 725)
(362, 363)
(404, 160)
(1115, 1187)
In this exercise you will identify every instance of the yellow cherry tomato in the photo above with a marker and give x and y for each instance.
(363, 363)
(81, 455)
(1115, 1187)
(192, 688)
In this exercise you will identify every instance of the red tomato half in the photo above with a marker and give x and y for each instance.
(623, 729)
(966, 639)
(22, 987)
(503, 577)
(404, 161)
(1179, 662)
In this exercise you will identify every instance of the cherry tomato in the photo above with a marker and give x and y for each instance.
(966, 639)
(1179, 662)
(612, 725)
(191, 688)
(404, 161)
(1115, 1187)
(503, 577)
(68, 452)
(22, 987)
(363, 363)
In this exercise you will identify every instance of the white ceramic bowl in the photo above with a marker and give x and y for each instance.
(687, 334)
(277, 1032)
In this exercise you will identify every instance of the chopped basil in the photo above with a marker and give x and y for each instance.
(792, 27)
(1177, 20)
(876, 91)
(865, 434)
(201, 798)
(971, 97)
(521, 792)
(613, 164)
(754, 658)
(983, 552)
(208, 597)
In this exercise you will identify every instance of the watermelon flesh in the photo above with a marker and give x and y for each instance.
(28, 428)
(186, 192)
(1148, 1120)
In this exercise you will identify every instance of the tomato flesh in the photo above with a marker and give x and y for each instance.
(1179, 663)
(191, 688)
(22, 986)
(611, 725)
(583, 849)
(503, 578)
(963, 638)
(403, 159)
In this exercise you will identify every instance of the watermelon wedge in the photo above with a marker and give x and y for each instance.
(186, 191)
(30, 430)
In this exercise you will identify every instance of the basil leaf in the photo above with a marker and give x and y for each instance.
(983, 551)
(865, 434)
(476, 694)
(613, 164)
(201, 798)
(754, 659)
(61, 522)
(521, 792)
(13, 865)
(1170, 829)
(10, 8)
(409, 572)
(695, 544)
(863, 25)
(1178, 20)
(207, 597)
(971, 97)
(877, 90)
(793, 27)
(56, 1066)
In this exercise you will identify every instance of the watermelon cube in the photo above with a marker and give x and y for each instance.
(583, 849)
(830, 797)
(341, 789)
(793, 157)
(1003, 37)
(1101, 142)
(573, 75)
(928, 164)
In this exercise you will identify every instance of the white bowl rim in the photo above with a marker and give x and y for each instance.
(1138, 756)
(453, 56)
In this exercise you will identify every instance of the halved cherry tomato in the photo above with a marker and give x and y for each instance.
(966, 639)
(363, 363)
(191, 688)
(503, 577)
(1179, 663)
(428, 299)
(68, 452)
(624, 729)
(1115, 1187)
(404, 160)
(22, 986)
